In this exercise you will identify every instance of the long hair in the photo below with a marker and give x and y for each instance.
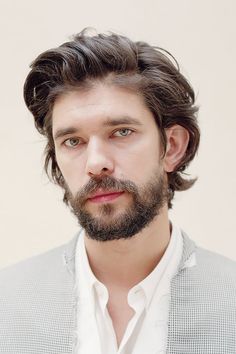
(150, 71)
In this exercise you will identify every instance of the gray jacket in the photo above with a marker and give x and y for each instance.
(38, 304)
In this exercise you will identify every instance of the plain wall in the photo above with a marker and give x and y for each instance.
(200, 34)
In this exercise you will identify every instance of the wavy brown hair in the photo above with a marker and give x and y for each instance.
(150, 71)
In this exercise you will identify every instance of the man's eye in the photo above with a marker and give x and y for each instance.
(72, 142)
(123, 132)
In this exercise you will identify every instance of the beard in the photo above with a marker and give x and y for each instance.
(146, 203)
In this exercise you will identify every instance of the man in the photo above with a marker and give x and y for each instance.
(121, 128)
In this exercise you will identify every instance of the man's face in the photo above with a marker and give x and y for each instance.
(108, 150)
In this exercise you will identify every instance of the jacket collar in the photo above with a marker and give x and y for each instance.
(70, 251)
(189, 247)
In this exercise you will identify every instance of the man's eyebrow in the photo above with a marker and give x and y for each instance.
(111, 122)
(64, 131)
(108, 123)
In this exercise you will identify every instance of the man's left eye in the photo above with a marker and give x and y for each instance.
(123, 132)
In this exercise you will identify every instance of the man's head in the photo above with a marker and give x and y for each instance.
(119, 117)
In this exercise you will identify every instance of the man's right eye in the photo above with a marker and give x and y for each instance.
(72, 142)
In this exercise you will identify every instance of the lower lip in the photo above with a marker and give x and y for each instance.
(105, 198)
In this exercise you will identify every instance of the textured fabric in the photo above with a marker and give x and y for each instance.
(147, 330)
(38, 304)
(202, 316)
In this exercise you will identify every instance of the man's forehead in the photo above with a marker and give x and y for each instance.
(102, 107)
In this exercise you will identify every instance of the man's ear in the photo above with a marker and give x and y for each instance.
(177, 143)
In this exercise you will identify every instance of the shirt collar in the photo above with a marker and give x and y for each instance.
(94, 288)
(90, 277)
(168, 262)
(147, 285)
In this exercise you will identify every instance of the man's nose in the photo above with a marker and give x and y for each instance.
(99, 159)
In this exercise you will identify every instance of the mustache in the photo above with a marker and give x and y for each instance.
(106, 183)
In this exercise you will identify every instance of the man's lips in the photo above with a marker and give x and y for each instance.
(104, 196)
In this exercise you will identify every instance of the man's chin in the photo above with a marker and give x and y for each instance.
(105, 212)
(102, 227)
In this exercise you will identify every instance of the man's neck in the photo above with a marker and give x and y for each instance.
(124, 263)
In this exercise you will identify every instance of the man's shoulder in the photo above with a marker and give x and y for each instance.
(210, 267)
(217, 262)
(36, 303)
(29, 283)
(202, 313)
(41, 266)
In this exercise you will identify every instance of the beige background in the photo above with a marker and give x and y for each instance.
(200, 34)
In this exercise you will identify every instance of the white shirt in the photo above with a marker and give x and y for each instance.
(147, 330)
